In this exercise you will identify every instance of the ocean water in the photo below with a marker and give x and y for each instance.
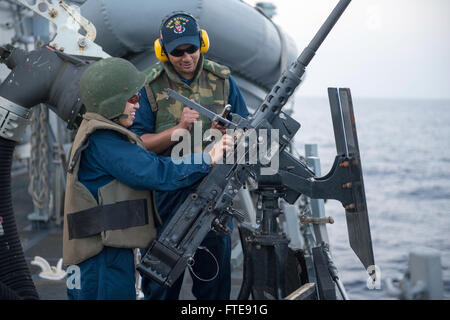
(405, 154)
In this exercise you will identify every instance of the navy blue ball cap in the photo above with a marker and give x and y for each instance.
(178, 30)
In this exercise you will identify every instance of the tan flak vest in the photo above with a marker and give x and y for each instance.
(79, 198)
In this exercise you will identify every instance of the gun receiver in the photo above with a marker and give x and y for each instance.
(210, 206)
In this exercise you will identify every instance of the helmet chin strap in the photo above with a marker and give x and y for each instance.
(116, 119)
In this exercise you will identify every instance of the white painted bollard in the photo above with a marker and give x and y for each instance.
(422, 280)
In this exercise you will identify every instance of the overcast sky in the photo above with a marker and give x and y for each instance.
(379, 48)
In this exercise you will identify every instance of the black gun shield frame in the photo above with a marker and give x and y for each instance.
(347, 144)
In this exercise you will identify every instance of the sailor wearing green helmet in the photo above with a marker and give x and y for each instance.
(109, 208)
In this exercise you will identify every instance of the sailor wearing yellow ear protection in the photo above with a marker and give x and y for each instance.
(182, 67)
(179, 42)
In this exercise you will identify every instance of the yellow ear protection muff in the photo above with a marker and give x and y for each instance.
(160, 51)
(204, 41)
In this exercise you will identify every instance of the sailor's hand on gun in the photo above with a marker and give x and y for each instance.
(221, 148)
(188, 117)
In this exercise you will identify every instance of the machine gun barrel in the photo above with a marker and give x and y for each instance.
(291, 78)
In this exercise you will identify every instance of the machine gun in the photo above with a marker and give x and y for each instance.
(210, 207)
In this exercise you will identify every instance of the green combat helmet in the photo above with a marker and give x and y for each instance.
(107, 84)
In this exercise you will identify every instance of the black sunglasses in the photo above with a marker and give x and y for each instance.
(180, 52)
